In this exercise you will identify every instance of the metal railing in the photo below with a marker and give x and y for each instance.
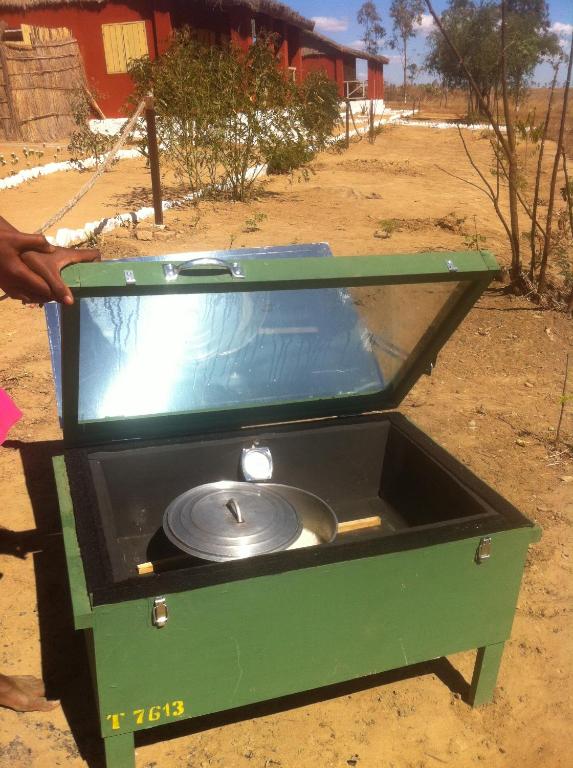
(356, 89)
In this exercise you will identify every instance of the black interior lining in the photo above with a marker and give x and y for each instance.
(375, 464)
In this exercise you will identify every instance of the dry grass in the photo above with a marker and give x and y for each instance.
(454, 107)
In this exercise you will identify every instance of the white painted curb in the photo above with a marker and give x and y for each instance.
(45, 170)
(68, 237)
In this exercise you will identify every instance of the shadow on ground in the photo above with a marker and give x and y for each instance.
(64, 659)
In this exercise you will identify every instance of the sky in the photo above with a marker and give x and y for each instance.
(337, 19)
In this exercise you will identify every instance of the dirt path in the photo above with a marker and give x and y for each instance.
(493, 401)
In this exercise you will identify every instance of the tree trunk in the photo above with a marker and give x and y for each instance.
(405, 62)
(513, 168)
(553, 184)
(569, 198)
(532, 234)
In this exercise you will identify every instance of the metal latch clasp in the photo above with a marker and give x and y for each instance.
(160, 613)
(484, 550)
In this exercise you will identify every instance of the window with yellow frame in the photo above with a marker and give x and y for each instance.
(122, 44)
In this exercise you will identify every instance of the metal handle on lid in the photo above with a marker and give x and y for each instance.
(172, 271)
(233, 507)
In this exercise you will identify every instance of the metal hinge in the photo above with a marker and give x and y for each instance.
(451, 266)
(170, 272)
(160, 614)
(484, 550)
(129, 277)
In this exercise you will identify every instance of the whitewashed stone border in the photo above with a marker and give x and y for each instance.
(28, 174)
(67, 237)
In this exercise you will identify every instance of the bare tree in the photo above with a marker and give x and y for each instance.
(369, 18)
(405, 15)
(506, 141)
(504, 146)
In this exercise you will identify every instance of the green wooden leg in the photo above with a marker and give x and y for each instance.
(485, 674)
(120, 751)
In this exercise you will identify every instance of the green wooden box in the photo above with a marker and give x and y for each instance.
(166, 374)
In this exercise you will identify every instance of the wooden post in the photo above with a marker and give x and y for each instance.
(93, 103)
(241, 29)
(563, 399)
(372, 121)
(162, 28)
(283, 48)
(339, 74)
(485, 674)
(153, 150)
(295, 52)
(347, 123)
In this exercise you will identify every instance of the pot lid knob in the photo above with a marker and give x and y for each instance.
(235, 509)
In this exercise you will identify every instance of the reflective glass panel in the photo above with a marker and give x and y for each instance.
(148, 355)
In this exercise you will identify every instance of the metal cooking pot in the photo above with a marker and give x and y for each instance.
(232, 520)
(318, 521)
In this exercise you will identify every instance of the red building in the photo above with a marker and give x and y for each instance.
(111, 33)
(338, 62)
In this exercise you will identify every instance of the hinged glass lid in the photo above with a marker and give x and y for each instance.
(241, 338)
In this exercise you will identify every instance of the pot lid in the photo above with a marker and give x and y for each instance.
(230, 520)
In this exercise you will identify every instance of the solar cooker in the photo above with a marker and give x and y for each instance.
(245, 514)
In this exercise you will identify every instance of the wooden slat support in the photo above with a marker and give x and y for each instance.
(348, 526)
(95, 106)
(156, 566)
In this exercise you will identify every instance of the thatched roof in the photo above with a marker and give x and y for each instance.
(344, 49)
(23, 5)
(271, 7)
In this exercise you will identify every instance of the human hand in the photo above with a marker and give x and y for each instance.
(30, 266)
(48, 266)
(17, 280)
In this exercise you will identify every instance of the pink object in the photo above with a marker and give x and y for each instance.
(9, 414)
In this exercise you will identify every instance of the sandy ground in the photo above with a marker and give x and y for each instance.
(493, 401)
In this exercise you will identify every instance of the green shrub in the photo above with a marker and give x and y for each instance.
(287, 158)
(83, 142)
(223, 113)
